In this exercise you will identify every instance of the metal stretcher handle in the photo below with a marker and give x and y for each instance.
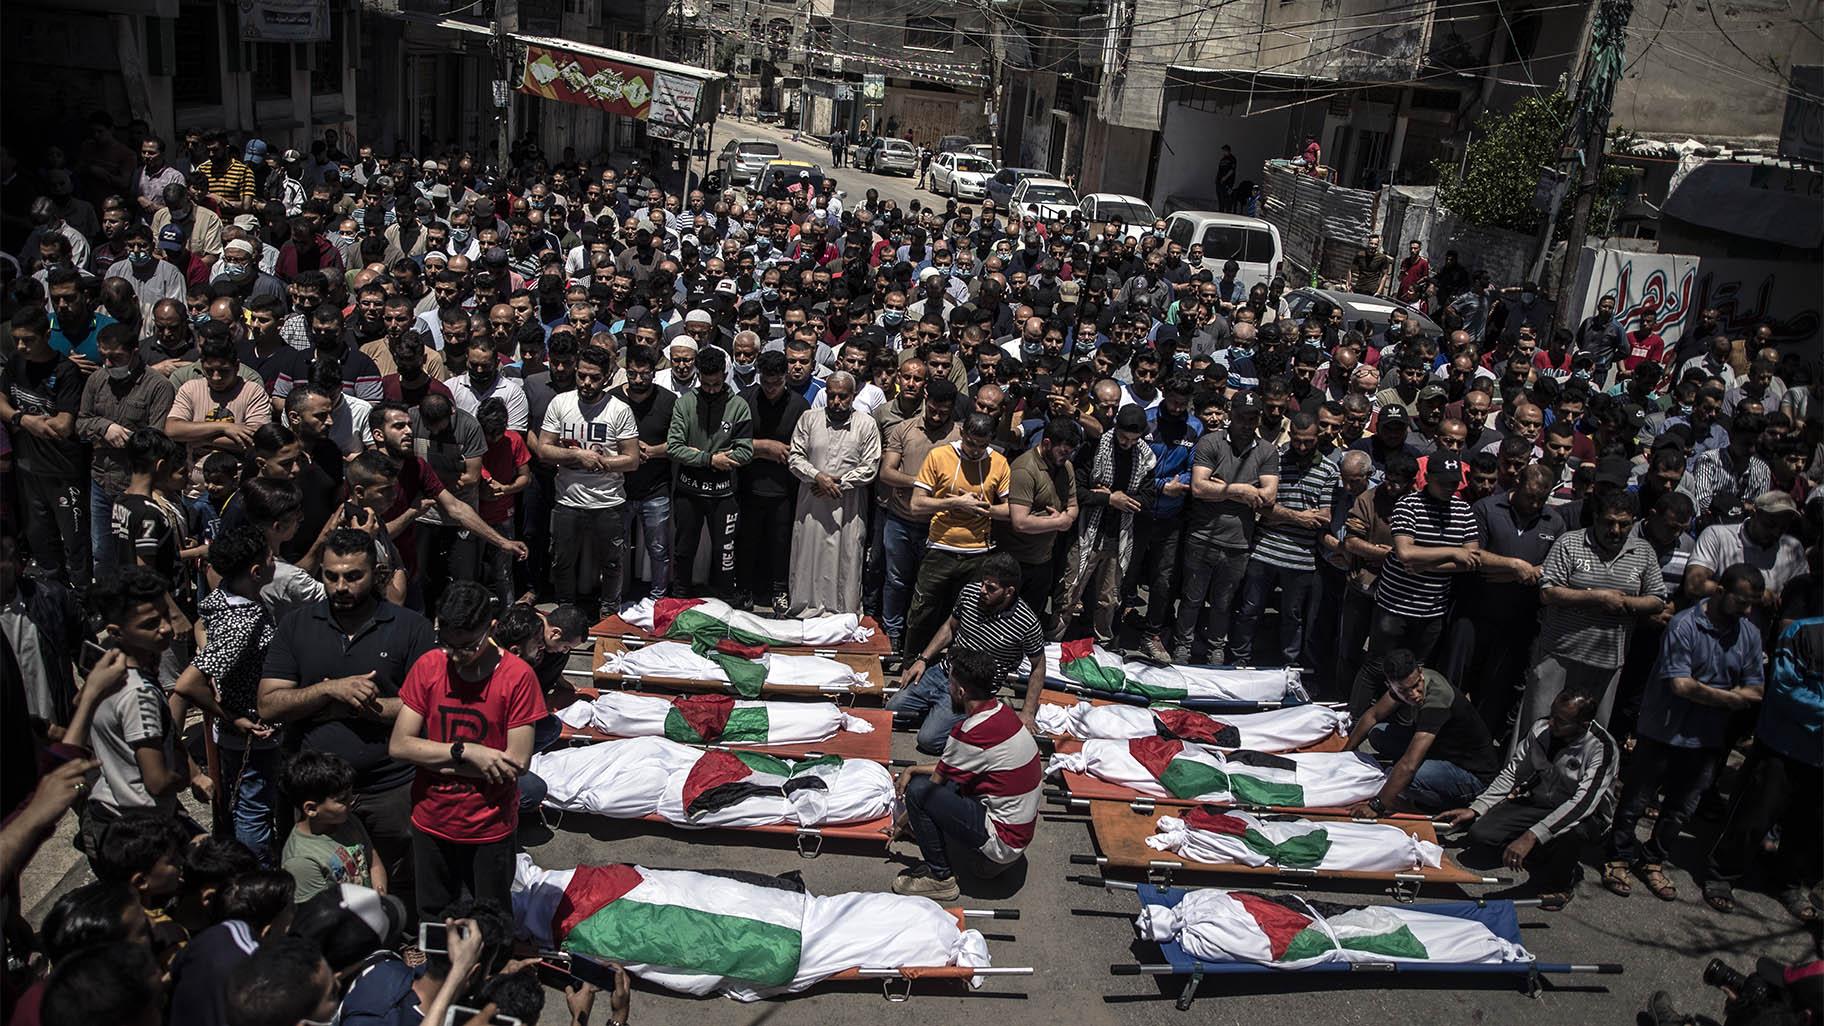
(999, 970)
(991, 913)
(1143, 969)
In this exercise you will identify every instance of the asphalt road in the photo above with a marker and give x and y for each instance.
(1071, 934)
(853, 181)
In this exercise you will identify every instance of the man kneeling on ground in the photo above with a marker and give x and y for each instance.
(982, 795)
(1556, 792)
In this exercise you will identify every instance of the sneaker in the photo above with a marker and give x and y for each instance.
(920, 882)
(1154, 649)
(1663, 1013)
(1181, 655)
(782, 604)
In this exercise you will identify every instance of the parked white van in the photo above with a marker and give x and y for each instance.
(1249, 241)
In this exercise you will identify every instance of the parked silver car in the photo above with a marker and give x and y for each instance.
(742, 160)
(883, 155)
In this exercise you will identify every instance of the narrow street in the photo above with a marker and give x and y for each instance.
(856, 183)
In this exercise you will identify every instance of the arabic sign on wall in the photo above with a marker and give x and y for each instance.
(673, 112)
(576, 78)
(1749, 293)
(873, 88)
(285, 21)
(1667, 283)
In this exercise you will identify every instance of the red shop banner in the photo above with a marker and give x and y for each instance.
(576, 78)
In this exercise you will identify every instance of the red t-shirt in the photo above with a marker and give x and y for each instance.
(469, 810)
(501, 463)
(1649, 347)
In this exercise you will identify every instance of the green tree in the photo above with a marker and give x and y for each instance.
(1506, 155)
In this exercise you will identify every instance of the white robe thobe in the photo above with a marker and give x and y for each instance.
(830, 536)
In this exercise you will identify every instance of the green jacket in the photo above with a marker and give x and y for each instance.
(690, 443)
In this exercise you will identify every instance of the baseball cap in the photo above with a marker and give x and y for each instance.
(1130, 418)
(726, 285)
(1244, 402)
(1775, 502)
(171, 237)
(1431, 392)
(1394, 415)
(350, 922)
(1448, 467)
(1614, 470)
(292, 157)
(255, 151)
(429, 165)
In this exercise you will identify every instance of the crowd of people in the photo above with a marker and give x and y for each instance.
(346, 452)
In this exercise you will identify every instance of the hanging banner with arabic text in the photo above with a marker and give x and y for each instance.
(285, 21)
(590, 81)
(673, 113)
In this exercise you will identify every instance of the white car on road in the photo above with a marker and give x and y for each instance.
(1135, 215)
(1053, 198)
(960, 175)
(742, 160)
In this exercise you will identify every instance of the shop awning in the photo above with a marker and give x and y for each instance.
(665, 95)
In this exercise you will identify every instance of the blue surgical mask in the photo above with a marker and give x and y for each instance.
(892, 318)
(140, 259)
(769, 295)
(460, 236)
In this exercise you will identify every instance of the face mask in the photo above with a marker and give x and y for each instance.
(346, 239)
(1157, 234)
(1528, 297)
(140, 259)
(199, 319)
(769, 295)
(234, 270)
(1580, 375)
(348, 176)
(893, 318)
(124, 373)
(460, 236)
(482, 379)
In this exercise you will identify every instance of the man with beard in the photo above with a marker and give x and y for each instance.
(710, 438)
(1500, 604)
(649, 486)
(411, 381)
(483, 380)
(1285, 547)
(835, 454)
(1041, 505)
(119, 400)
(360, 375)
(1114, 482)
(331, 681)
(766, 488)
(279, 365)
(1159, 528)
(394, 429)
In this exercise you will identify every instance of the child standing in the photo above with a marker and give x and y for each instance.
(327, 847)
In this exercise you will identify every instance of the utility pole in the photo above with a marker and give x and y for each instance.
(503, 100)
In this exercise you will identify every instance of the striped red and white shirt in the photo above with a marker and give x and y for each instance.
(991, 756)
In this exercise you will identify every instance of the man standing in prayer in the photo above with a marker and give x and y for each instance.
(835, 454)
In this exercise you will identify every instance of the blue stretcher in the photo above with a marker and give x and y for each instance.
(1498, 915)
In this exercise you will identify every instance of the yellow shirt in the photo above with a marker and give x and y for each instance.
(946, 473)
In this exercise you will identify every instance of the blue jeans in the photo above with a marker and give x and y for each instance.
(655, 534)
(252, 778)
(101, 530)
(904, 543)
(940, 815)
(1437, 785)
(532, 787)
(1257, 586)
(925, 706)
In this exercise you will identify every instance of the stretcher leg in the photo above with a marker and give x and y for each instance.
(1189, 993)
(814, 849)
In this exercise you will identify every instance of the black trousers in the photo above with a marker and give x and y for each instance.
(1388, 631)
(1774, 790)
(586, 556)
(1154, 562)
(765, 559)
(1554, 863)
(387, 816)
(689, 515)
(55, 515)
(447, 871)
(446, 553)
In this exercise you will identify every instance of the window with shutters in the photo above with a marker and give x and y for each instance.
(271, 71)
(931, 33)
(196, 78)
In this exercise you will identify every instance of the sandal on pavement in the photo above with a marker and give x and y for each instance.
(1719, 895)
(1654, 876)
(1797, 901)
(1615, 878)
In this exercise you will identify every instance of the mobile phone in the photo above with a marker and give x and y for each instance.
(90, 654)
(433, 938)
(555, 975)
(459, 1015)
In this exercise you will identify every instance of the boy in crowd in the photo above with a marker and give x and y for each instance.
(327, 847)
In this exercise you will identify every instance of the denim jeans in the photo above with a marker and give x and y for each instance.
(925, 707)
(252, 776)
(1257, 586)
(101, 530)
(586, 555)
(532, 787)
(941, 816)
(654, 513)
(1438, 784)
(1211, 574)
(904, 543)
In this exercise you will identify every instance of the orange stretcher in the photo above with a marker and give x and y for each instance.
(865, 664)
(1081, 791)
(1121, 834)
(1066, 743)
(877, 746)
(633, 637)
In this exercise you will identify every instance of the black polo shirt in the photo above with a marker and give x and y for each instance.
(310, 648)
(1502, 531)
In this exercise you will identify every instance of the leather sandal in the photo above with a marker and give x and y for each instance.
(1615, 878)
(1654, 876)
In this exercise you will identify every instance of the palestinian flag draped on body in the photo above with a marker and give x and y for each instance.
(746, 674)
(741, 934)
(712, 620)
(717, 719)
(1085, 663)
(1219, 837)
(1240, 926)
(1274, 730)
(1169, 768)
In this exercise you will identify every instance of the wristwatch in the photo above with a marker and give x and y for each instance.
(456, 752)
(1373, 803)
